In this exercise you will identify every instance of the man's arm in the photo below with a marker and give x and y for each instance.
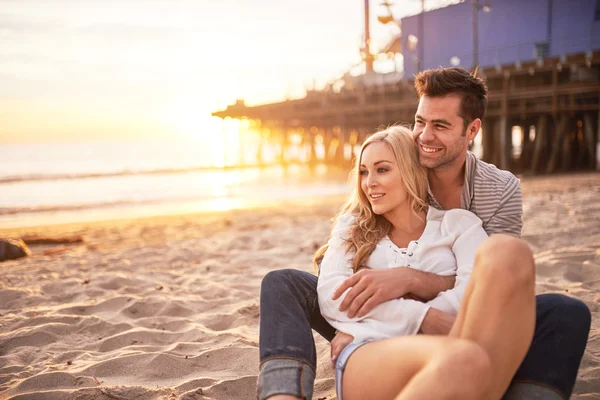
(437, 322)
(372, 287)
(406, 314)
(426, 285)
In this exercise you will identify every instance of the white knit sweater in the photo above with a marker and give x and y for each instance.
(446, 247)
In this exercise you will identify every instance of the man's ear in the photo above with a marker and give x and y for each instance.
(473, 129)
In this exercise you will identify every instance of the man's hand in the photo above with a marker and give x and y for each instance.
(338, 343)
(437, 322)
(371, 287)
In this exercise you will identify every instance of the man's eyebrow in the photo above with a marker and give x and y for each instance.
(378, 162)
(435, 121)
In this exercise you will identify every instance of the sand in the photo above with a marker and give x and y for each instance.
(167, 307)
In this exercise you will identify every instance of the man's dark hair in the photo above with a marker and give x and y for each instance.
(458, 81)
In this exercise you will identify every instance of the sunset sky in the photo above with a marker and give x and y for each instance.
(73, 70)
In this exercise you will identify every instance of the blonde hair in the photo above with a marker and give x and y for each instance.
(369, 228)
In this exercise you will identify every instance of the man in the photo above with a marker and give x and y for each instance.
(452, 104)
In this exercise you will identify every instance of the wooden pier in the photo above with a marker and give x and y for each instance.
(554, 103)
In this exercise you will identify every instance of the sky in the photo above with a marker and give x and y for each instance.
(78, 70)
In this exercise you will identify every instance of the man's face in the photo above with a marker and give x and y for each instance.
(440, 132)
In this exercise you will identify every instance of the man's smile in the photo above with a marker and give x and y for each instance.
(429, 149)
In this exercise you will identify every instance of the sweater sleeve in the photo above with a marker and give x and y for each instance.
(392, 318)
(467, 228)
(508, 217)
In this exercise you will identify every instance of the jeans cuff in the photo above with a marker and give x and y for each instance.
(531, 391)
(285, 376)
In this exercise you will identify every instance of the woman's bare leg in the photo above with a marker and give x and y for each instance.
(522, 262)
(495, 325)
(382, 369)
(500, 297)
(462, 371)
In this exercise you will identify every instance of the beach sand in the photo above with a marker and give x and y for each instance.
(168, 307)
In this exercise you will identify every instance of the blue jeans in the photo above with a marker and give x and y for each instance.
(289, 310)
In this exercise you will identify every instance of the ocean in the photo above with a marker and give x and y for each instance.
(86, 181)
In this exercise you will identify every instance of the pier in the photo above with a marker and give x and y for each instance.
(555, 106)
(543, 112)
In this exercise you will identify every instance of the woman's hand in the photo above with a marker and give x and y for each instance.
(338, 343)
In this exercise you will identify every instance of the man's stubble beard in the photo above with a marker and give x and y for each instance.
(445, 160)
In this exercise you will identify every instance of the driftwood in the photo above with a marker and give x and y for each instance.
(52, 240)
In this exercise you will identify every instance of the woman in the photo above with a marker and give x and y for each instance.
(387, 223)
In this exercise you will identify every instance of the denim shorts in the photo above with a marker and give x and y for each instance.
(340, 364)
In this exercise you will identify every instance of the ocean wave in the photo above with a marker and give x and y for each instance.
(55, 177)
(90, 206)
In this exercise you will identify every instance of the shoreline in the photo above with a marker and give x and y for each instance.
(181, 212)
(43, 203)
(320, 165)
(530, 185)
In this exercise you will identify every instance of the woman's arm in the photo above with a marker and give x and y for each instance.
(336, 266)
(469, 233)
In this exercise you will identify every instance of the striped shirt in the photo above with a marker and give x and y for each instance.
(493, 195)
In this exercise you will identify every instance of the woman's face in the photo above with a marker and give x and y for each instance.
(380, 178)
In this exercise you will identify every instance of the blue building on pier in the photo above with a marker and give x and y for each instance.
(507, 32)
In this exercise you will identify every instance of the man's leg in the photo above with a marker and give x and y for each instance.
(289, 307)
(552, 362)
